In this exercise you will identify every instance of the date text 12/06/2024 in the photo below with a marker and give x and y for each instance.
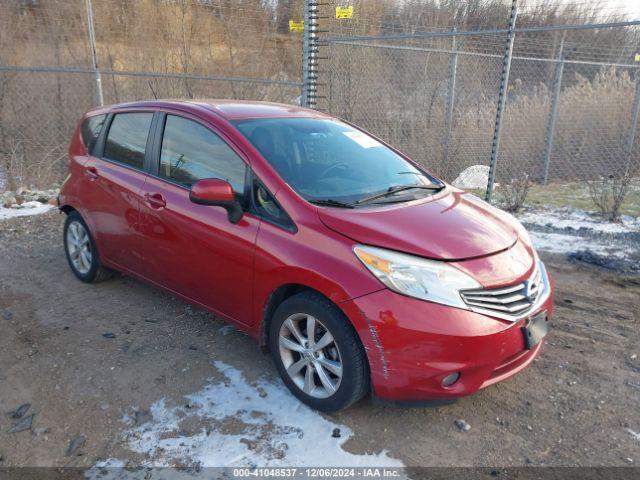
(318, 472)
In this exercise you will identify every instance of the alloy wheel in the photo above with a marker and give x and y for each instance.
(79, 247)
(310, 355)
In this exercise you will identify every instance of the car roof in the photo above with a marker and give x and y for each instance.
(228, 109)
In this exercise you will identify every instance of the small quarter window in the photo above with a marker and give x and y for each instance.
(90, 131)
(127, 138)
(268, 208)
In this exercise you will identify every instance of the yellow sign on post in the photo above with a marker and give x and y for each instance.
(344, 12)
(637, 57)
(297, 27)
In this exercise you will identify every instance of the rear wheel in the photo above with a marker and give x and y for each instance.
(317, 352)
(81, 251)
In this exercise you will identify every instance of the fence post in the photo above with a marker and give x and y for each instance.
(553, 112)
(502, 99)
(94, 55)
(309, 54)
(634, 125)
(451, 92)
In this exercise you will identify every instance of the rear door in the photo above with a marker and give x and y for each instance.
(193, 249)
(116, 175)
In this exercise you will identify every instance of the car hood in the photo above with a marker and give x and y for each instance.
(452, 225)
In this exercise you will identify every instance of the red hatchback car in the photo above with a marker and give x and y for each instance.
(359, 270)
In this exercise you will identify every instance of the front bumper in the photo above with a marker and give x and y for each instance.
(412, 345)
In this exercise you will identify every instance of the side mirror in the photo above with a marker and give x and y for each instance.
(218, 193)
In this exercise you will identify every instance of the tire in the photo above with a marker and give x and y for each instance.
(315, 368)
(78, 239)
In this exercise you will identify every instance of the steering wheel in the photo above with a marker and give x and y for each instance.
(331, 168)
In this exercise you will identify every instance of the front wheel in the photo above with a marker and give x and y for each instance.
(317, 352)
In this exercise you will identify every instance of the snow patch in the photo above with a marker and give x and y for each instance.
(578, 219)
(569, 231)
(635, 435)
(476, 176)
(564, 243)
(25, 209)
(234, 423)
(227, 329)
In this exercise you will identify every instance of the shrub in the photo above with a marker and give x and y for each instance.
(608, 194)
(514, 193)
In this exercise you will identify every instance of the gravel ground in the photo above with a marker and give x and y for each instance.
(91, 360)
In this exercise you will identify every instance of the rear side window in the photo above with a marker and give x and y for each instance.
(127, 138)
(90, 131)
(191, 152)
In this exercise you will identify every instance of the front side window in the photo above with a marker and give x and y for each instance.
(127, 138)
(328, 161)
(90, 131)
(191, 152)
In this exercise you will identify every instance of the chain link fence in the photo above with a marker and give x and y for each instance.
(571, 100)
(570, 106)
(59, 58)
(434, 103)
(408, 76)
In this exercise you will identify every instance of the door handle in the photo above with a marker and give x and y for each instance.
(91, 173)
(155, 200)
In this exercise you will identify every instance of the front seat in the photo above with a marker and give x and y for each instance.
(263, 141)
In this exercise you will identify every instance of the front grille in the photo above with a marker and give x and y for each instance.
(507, 302)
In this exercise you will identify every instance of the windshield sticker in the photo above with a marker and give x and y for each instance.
(365, 141)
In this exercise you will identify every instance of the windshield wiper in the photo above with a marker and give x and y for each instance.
(330, 202)
(401, 188)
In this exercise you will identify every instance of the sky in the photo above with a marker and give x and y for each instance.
(632, 7)
(629, 7)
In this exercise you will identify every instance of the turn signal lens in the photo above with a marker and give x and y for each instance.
(373, 261)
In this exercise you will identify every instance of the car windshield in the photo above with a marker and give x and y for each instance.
(327, 161)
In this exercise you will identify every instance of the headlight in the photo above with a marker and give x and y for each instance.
(417, 277)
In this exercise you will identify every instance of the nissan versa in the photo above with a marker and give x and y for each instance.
(357, 269)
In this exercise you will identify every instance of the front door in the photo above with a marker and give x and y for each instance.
(193, 249)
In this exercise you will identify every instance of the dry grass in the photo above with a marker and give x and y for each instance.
(574, 195)
(594, 119)
(38, 110)
(33, 165)
(398, 95)
(590, 136)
